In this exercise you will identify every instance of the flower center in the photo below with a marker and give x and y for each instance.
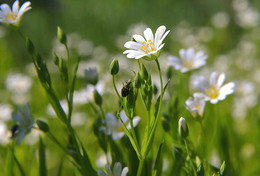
(187, 63)
(11, 16)
(212, 92)
(148, 46)
(120, 129)
(196, 107)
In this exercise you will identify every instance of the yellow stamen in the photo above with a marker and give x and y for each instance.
(11, 16)
(212, 92)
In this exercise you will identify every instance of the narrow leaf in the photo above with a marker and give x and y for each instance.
(158, 162)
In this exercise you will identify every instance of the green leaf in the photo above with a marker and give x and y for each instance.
(158, 162)
(86, 166)
(42, 159)
(222, 169)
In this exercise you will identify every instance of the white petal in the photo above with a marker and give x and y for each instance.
(190, 53)
(117, 169)
(221, 80)
(109, 172)
(21, 135)
(183, 54)
(213, 101)
(116, 136)
(135, 54)
(15, 7)
(100, 172)
(174, 61)
(24, 8)
(201, 83)
(133, 45)
(158, 34)
(123, 116)
(125, 171)
(136, 121)
(5, 9)
(161, 40)
(139, 38)
(227, 88)
(213, 79)
(148, 34)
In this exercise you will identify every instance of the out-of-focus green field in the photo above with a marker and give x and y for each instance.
(227, 31)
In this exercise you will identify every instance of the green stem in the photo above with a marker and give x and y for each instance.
(133, 133)
(140, 167)
(19, 166)
(189, 155)
(54, 139)
(114, 84)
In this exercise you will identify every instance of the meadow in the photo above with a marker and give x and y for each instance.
(116, 88)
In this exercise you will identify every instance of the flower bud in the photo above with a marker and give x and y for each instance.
(61, 36)
(55, 59)
(97, 98)
(155, 89)
(183, 128)
(114, 67)
(144, 73)
(137, 81)
(43, 126)
(200, 170)
(30, 46)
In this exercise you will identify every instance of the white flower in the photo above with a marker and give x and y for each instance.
(189, 60)
(213, 89)
(24, 122)
(148, 46)
(196, 105)
(13, 16)
(117, 171)
(115, 127)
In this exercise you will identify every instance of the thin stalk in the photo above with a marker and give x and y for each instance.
(19, 166)
(189, 155)
(140, 167)
(114, 84)
(133, 134)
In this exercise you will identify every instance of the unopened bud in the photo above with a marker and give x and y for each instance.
(61, 36)
(114, 67)
(183, 128)
(97, 98)
(43, 126)
(55, 59)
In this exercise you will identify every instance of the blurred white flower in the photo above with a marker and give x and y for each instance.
(189, 60)
(148, 47)
(91, 75)
(18, 83)
(13, 16)
(24, 122)
(220, 20)
(213, 89)
(246, 98)
(196, 105)
(117, 171)
(5, 112)
(114, 126)
(5, 134)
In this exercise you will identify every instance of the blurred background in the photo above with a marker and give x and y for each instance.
(227, 31)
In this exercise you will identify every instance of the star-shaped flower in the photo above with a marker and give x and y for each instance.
(213, 89)
(117, 171)
(13, 16)
(196, 105)
(147, 47)
(24, 123)
(189, 60)
(114, 126)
